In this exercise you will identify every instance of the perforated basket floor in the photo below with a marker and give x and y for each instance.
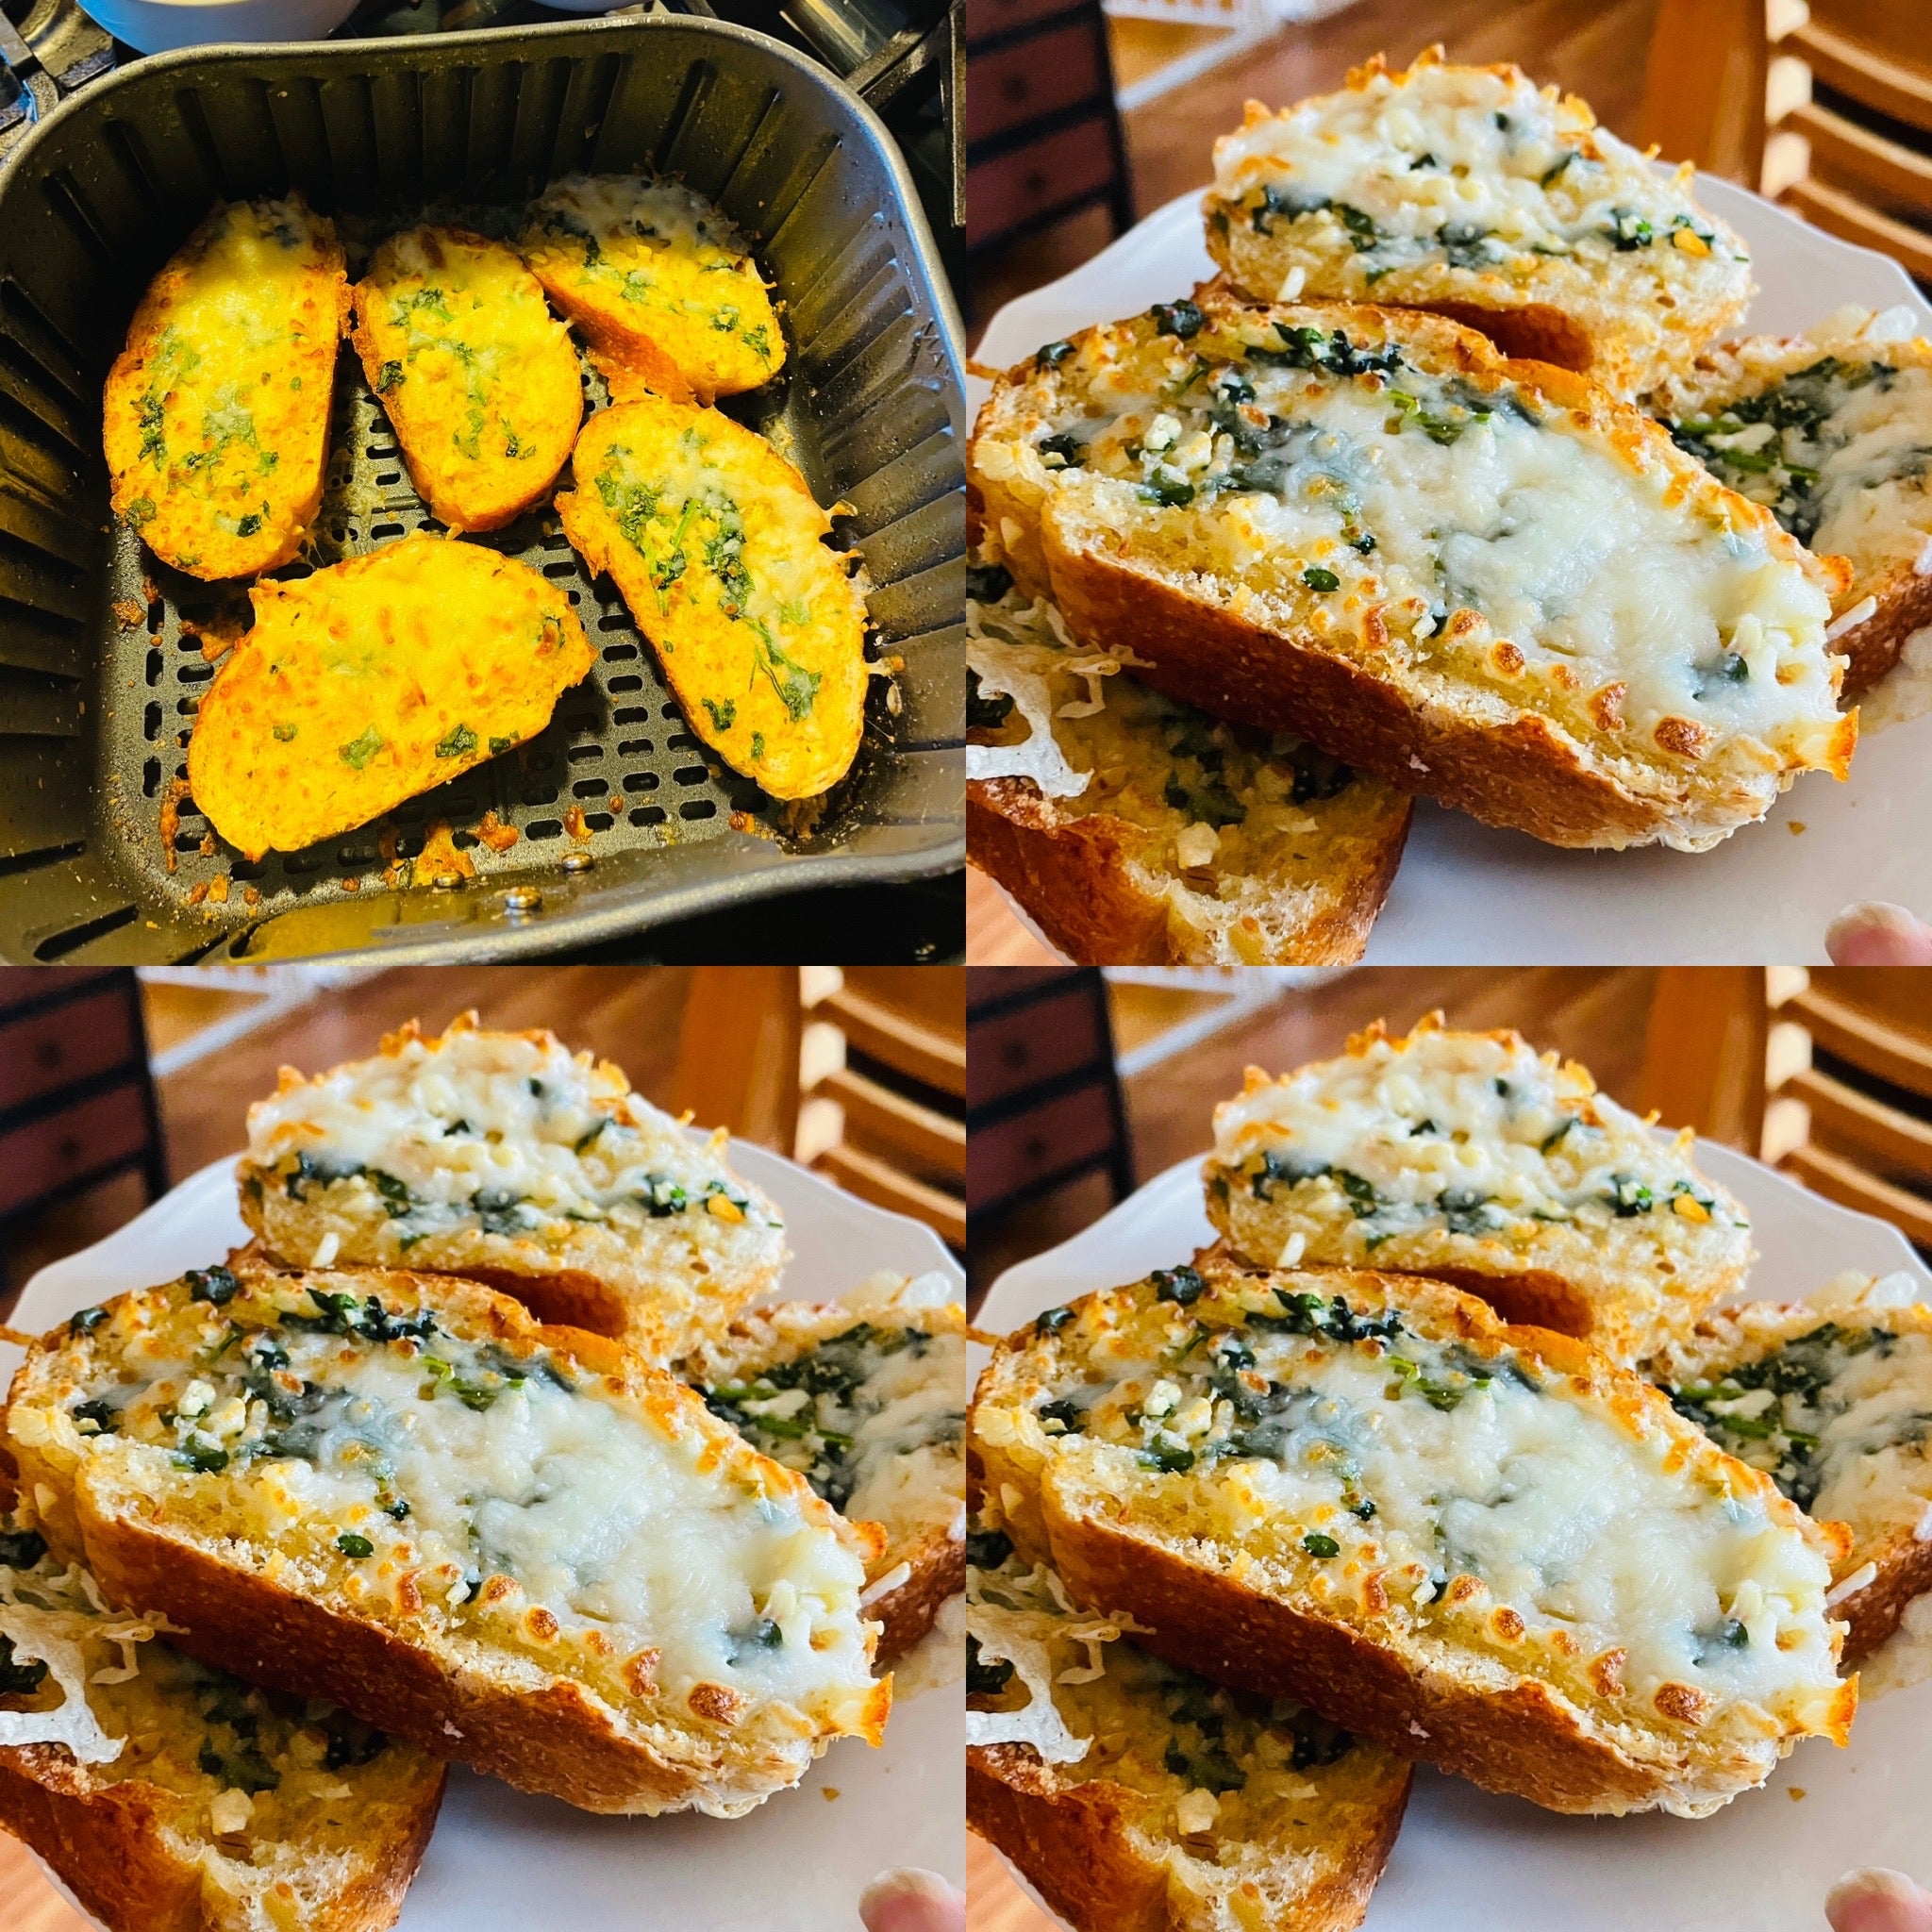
(622, 818)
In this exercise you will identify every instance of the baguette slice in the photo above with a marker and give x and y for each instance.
(1472, 192)
(866, 1399)
(1829, 431)
(1137, 830)
(479, 380)
(1829, 1397)
(1139, 1797)
(1472, 1157)
(659, 283)
(1485, 1546)
(215, 418)
(169, 1797)
(504, 1157)
(518, 1546)
(1480, 579)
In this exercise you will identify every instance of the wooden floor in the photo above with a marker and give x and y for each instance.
(1595, 48)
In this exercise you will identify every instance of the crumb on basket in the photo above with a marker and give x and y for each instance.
(128, 613)
(492, 832)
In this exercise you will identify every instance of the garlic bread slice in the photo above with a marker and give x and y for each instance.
(718, 547)
(519, 1546)
(659, 283)
(1139, 1797)
(1474, 192)
(1137, 830)
(216, 414)
(480, 379)
(506, 1157)
(374, 680)
(865, 1397)
(1485, 1546)
(1485, 581)
(169, 1797)
(1829, 431)
(1472, 1157)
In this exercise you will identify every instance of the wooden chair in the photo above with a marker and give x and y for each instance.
(76, 1100)
(860, 1073)
(1043, 1102)
(1827, 107)
(1826, 1074)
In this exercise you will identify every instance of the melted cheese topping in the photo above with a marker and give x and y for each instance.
(716, 543)
(875, 1419)
(1498, 543)
(1839, 450)
(1353, 1446)
(665, 263)
(1837, 1417)
(1472, 1130)
(480, 379)
(216, 418)
(421, 1473)
(1475, 168)
(508, 1132)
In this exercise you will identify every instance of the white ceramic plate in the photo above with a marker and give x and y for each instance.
(1470, 1862)
(503, 1862)
(1766, 894)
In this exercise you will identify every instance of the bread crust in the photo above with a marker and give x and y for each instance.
(455, 1694)
(1214, 1608)
(1074, 1845)
(1072, 875)
(1900, 1559)
(1471, 746)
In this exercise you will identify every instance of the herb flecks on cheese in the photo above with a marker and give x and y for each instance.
(1840, 452)
(481, 1149)
(1474, 1133)
(1838, 1417)
(1444, 1483)
(440, 1479)
(866, 1417)
(1459, 523)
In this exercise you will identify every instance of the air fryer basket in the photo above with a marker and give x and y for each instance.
(622, 820)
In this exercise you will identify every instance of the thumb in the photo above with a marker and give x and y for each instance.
(1878, 934)
(910, 1899)
(1874, 1900)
